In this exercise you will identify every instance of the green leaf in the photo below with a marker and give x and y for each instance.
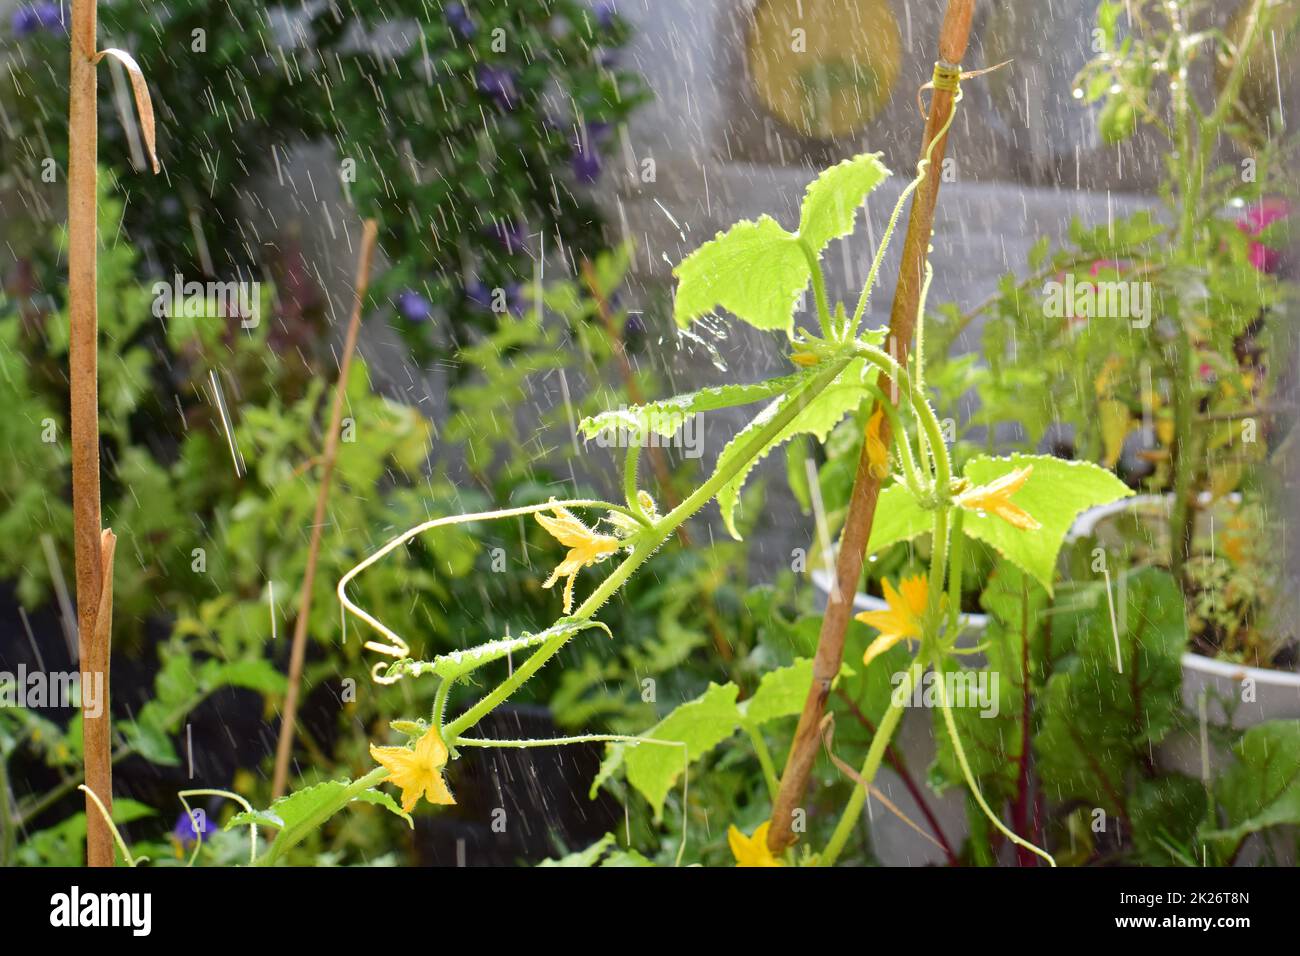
(666, 416)
(823, 413)
(1164, 813)
(583, 858)
(250, 673)
(1262, 789)
(64, 843)
(833, 198)
(149, 741)
(755, 270)
(700, 724)
(302, 805)
(626, 858)
(781, 693)
(899, 517)
(1099, 722)
(381, 799)
(1055, 493)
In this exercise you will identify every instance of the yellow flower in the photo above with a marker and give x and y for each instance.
(903, 618)
(805, 359)
(417, 771)
(751, 850)
(877, 453)
(586, 548)
(995, 499)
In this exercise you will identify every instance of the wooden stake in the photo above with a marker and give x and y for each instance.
(90, 546)
(953, 37)
(298, 653)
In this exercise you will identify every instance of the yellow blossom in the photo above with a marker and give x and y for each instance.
(417, 771)
(995, 499)
(751, 850)
(805, 359)
(586, 548)
(877, 452)
(902, 620)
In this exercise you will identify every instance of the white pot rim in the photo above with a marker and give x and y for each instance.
(1087, 521)
(1240, 672)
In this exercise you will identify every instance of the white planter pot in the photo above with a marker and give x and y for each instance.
(1235, 695)
(1276, 694)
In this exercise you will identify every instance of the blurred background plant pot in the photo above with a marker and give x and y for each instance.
(1235, 695)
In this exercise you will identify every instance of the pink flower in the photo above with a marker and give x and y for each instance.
(1115, 264)
(1258, 218)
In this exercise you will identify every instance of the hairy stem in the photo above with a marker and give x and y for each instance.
(650, 540)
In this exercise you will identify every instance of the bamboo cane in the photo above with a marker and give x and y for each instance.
(83, 376)
(953, 37)
(298, 652)
(93, 545)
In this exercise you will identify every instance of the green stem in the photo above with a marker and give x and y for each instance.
(440, 703)
(648, 542)
(938, 571)
(956, 567)
(960, 753)
(1191, 164)
(229, 795)
(8, 824)
(631, 464)
(819, 291)
(925, 414)
(875, 754)
(910, 188)
(764, 758)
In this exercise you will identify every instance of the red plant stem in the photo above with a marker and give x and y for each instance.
(866, 485)
(298, 652)
(1021, 812)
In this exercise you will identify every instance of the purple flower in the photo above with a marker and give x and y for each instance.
(498, 82)
(605, 12)
(512, 235)
(458, 19)
(32, 18)
(191, 826)
(586, 153)
(413, 306)
(586, 165)
(480, 296)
